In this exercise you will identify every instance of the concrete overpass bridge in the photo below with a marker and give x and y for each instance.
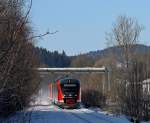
(48, 75)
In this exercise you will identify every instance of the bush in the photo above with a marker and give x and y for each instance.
(93, 98)
(9, 102)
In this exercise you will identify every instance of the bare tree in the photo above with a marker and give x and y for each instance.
(18, 80)
(125, 35)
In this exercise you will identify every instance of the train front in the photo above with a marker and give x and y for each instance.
(70, 92)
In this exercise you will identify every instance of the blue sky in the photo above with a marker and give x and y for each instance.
(82, 23)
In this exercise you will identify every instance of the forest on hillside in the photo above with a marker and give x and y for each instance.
(58, 59)
(52, 59)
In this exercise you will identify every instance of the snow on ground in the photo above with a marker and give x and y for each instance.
(53, 114)
(98, 116)
(42, 111)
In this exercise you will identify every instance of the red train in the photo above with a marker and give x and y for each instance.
(66, 92)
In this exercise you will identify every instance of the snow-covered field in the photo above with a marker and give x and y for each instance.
(53, 114)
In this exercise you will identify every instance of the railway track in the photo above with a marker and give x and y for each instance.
(81, 118)
(96, 115)
(91, 117)
(55, 114)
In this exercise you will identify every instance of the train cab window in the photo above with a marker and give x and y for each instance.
(70, 86)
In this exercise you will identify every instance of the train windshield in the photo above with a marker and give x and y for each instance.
(70, 86)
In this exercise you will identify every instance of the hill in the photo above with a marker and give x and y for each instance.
(138, 48)
(56, 59)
